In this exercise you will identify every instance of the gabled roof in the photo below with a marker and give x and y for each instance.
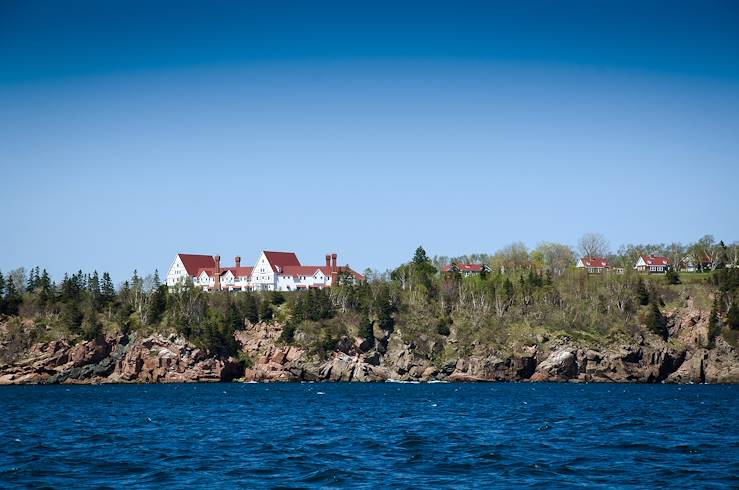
(464, 267)
(236, 271)
(655, 260)
(281, 259)
(193, 262)
(594, 262)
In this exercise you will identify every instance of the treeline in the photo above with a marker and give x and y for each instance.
(704, 254)
(502, 308)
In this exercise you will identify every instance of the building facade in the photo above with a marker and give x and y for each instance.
(594, 265)
(652, 264)
(273, 271)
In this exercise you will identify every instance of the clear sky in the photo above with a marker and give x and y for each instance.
(130, 132)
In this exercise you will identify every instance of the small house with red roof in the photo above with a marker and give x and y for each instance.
(594, 265)
(466, 269)
(274, 271)
(652, 264)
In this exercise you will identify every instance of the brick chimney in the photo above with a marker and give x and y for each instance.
(328, 261)
(238, 261)
(217, 284)
(334, 271)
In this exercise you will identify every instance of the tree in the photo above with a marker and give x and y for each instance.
(2, 294)
(556, 257)
(714, 326)
(593, 245)
(672, 277)
(249, 308)
(91, 328)
(107, 291)
(732, 316)
(265, 311)
(654, 321)
(642, 293)
(366, 328)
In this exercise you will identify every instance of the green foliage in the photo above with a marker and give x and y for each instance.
(655, 321)
(91, 328)
(732, 316)
(714, 325)
(642, 293)
(265, 311)
(366, 328)
(672, 277)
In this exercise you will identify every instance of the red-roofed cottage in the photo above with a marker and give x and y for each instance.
(652, 264)
(594, 265)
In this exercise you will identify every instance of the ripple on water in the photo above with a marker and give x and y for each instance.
(369, 436)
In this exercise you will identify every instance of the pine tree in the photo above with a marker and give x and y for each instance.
(251, 312)
(107, 291)
(732, 316)
(265, 311)
(642, 293)
(366, 328)
(93, 286)
(2, 294)
(157, 305)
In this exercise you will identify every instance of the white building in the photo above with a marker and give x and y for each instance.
(274, 271)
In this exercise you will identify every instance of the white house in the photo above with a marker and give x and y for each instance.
(653, 264)
(594, 265)
(466, 269)
(274, 271)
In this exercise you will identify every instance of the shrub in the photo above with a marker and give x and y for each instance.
(672, 277)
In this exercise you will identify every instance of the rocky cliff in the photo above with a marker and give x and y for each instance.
(644, 358)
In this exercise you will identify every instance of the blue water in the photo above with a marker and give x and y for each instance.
(369, 435)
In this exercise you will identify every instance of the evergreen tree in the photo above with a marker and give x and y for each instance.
(91, 328)
(107, 291)
(732, 316)
(366, 328)
(123, 317)
(655, 322)
(2, 294)
(642, 293)
(157, 304)
(265, 311)
(250, 309)
(93, 286)
(672, 277)
(71, 317)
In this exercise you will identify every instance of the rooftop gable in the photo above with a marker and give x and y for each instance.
(194, 262)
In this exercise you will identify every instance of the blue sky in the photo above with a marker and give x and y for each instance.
(129, 132)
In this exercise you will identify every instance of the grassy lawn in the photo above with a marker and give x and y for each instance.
(693, 277)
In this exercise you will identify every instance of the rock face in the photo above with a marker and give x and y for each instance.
(118, 360)
(157, 359)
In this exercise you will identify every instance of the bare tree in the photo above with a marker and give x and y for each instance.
(593, 245)
(556, 257)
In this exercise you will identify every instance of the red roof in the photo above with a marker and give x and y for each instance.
(194, 262)
(281, 259)
(655, 260)
(464, 267)
(236, 271)
(594, 262)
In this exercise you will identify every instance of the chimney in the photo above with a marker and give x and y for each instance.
(333, 262)
(238, 261)
(217, 284)
(328, 261)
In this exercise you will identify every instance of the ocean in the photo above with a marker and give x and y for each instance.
(304, 435)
